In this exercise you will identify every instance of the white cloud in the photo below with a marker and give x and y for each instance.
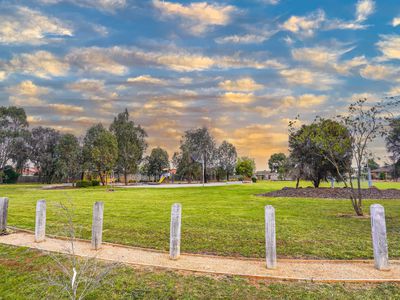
(305, 26)
(26, 26)
(197, 17)
(328, 58)
(103, 5)
(96, 60)
(389, 45)
(93, 89)
(380, 72)
(304, 101)
(40, 63)
(65, 108)
(26, 93)
(305, 77)
(249, 38)
(238, 98)
(146, 79)
(117, 60)
(364, 9)
(396, 22)
(245, 84)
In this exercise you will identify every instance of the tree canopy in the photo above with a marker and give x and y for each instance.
(131, 143)
(245, 166)
(100, 151)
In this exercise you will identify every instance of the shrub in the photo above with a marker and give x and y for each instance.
(83, 183)
(382, 176)
(10, 176)
(254, 179)
(95, 182)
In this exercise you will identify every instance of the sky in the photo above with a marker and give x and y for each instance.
(244, 69)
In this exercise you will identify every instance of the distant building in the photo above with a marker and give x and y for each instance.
(386, 170)
(267, 175)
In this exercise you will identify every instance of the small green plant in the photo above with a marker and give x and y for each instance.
(254, 179)
(83, 183)
(382, 176)
(95, 182)
(10, 175)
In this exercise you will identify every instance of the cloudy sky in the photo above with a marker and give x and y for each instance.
(242, 68)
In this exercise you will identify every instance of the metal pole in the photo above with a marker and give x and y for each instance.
(203, 171)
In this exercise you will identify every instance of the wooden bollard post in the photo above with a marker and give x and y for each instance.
(40, 225)
(97, 225)
(270, 237)
(175, 231)
(379, 239)
(3, 214)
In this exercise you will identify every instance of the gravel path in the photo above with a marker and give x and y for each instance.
(288, 269)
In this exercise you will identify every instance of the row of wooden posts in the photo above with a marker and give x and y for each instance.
(378, 228)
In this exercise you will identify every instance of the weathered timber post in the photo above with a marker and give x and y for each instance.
(270, 237)
(40, 225)
(379, 240)
(97, 225)
(3, 214)
(175, 231)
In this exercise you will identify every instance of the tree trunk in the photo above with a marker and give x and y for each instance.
(227, 176)
(297, 182)
(316, 182)
(101, 178)
(125, 177)
(205, 173)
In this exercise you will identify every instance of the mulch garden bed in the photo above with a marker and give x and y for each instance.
(335, 193)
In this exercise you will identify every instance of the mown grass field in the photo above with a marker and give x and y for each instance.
(221, 220)
(225, 220)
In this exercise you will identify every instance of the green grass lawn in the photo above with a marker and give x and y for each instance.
(226, 220)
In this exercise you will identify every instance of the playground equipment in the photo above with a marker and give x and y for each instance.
(164, 176)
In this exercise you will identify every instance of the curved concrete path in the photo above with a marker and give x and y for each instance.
(288, 269)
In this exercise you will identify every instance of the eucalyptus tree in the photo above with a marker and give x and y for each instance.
(157, 161)
(131, 143)
(100, 151)
(13, 136)
(200, 145)
(43, 145)
(226, 158)
(69, 157)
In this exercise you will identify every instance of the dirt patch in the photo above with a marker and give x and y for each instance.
(335, 193)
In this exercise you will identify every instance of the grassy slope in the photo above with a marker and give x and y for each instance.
(222, 220)
(21, 272)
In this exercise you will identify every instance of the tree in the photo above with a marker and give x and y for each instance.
(200, 145)
(393, 144)
(365, 122)
(245, 166)
(69, 157)
(100, 151)
(131, 143)
(13, 133)
(278, 163)
(372, 164)
(157, 161)
(186, 167)
(43, 152)
(307, 153)
(226, 158)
